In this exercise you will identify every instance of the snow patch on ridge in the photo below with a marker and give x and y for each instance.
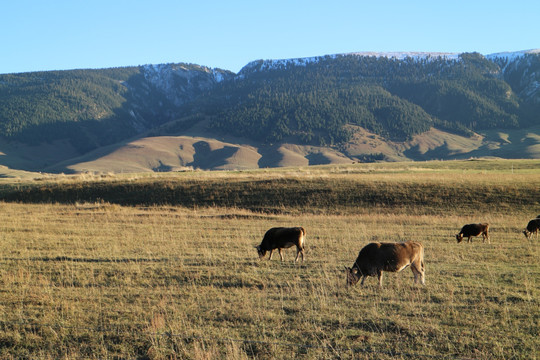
(264, 65)
(162, 75)
(416, 55)
(512, 55)
(180, 82)
(510, 59)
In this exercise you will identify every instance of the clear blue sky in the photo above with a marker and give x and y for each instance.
(70, 34)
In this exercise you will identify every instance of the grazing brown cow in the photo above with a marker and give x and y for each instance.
(471, 230)
(532, 227)
(374, 258)
(282, 238)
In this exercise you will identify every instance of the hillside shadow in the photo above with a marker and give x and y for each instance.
(205, 158)
(318, 159)
(270, 156)
(439, 152)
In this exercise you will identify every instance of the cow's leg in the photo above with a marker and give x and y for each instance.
(271, 252)
(280, 254)
(418, 274)
(415, 272)
(379, 275)
(469, 240)
(299, 251)
(363, 279)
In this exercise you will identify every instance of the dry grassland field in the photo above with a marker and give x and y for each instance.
(100, 279)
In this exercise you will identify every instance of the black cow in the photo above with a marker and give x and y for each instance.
(471, 230)
(532, 227)
(282, 238)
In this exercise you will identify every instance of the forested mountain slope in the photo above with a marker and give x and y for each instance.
(92, 108)
(396, 99)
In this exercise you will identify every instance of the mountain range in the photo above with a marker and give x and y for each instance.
(358, 107)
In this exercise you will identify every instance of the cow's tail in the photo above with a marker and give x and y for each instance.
(422, 257)
(303, 235)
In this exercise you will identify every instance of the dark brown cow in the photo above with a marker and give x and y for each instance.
(282, 238)
(471, 230)
(532, 227)
(374, 258)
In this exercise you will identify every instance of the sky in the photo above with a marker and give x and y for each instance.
(38, 35)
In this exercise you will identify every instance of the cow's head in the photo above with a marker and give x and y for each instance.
(459, 237)
(527, 234)
(260, 251)
(352, 276)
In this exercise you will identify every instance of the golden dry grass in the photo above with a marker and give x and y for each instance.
(97, 280)
(94, 279)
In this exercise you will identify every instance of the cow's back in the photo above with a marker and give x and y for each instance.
(404, 253)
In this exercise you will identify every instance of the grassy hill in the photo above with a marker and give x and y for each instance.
(199, 150)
